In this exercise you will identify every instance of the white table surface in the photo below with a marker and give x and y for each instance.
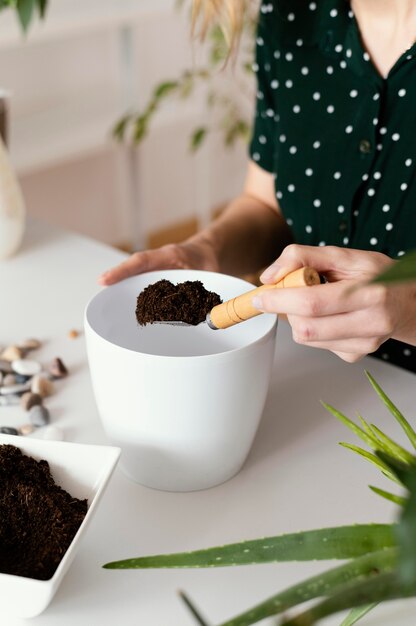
(296, 476)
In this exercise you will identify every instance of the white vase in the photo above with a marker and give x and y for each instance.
(12, 207)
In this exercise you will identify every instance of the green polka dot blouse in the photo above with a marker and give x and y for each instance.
(339, 139)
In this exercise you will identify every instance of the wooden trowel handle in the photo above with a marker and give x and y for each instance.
(240, 308)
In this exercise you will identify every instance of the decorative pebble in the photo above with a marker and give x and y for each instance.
(8, 430)
(52, 433)
(21, 379)
(30, 399)
(12, 353)
(39, 415)
(30, 344)
(9, 379)
(9, 400)
(73, 334)
(41, 385)
(14, 389)
(26, 367)
(5, 366)
(26, 429)
(58, 369)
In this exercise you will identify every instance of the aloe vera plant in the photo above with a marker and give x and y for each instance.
(380, 558)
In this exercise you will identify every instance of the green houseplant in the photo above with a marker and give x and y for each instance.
(380, 558)
(25, 10)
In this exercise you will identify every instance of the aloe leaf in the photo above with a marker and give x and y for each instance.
(403, 270)
(316, 586)
(399, 500)
(393, 448)
(368, 439)
(407, 536)
(356, 614)
(366, 426)
(401, 470)
(411, 434)
(191, 606)
(379, 588)
(372, 458)
(342, 542)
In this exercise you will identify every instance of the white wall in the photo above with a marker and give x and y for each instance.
(69, 86)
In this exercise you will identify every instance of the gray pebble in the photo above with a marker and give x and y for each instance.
(39, 415)
(21, 379)
(8, 430)
(15, 389)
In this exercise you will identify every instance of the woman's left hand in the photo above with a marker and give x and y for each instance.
(346, 315)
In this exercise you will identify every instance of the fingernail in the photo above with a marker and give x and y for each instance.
(270, 273)
(102, 279)
(257, 302)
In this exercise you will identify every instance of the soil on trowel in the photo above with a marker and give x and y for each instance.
(187, 302)
(38, 519)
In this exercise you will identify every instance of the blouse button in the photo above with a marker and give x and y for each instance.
(365, 146)
(342, 226)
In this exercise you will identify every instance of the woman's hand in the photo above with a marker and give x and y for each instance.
(187, 255)
(346, 315)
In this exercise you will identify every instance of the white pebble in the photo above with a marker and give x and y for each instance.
(26, 367)
(52, 433)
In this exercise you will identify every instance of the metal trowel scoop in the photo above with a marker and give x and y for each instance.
(240, 308)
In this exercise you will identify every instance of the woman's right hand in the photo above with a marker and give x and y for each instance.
(187, 255)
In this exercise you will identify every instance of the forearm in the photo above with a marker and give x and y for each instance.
(246, 237)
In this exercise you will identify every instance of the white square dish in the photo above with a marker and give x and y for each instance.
(82, 470)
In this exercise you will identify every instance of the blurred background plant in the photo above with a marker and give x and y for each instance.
(224, 112)
(25, 10)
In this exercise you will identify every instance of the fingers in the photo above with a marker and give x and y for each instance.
(333, 262)
(135, 264)
(321, 300)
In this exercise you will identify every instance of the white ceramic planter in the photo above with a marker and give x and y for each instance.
(12, 208)
(184, 404)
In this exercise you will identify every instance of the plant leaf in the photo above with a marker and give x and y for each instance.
(42, 6)
(356, 614)
(393, 448)
(372, 458)
(191, 606)
(25, 12)
(379, 588)
(399, 500)
(165, 88)
(342, 542)
(403, 270)
(316, 586)
(411, 434)
(368, 439)
(407, 536)
(198, 137)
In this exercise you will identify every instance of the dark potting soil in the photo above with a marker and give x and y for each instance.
(185, 302)
(38, 519)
